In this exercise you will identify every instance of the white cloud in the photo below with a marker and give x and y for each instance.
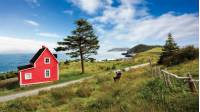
(70, 12)
(90, 6)
(32, 23)
(129, 24)
(48, 34)
(126, 24)
(17, 45)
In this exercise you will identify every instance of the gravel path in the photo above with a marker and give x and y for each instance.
(36, 91)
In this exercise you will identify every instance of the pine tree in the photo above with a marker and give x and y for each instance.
(169, 49)
(82, 43)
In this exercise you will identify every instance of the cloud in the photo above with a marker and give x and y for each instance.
(131, 23)
(32, 23)
(90, 6)
(124, 23)
(33, 3)
(48, 34)
(70, 12)
(17, 45)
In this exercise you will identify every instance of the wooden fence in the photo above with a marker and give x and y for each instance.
(167, 77)
(156, 71)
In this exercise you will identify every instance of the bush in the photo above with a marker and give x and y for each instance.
(66, 62)
(174, 99)
(113, 67)
(102, 102)
(103, 78)
(85, 90)
(182, 55)
(8, 75)
(62, 95)
(24, 105)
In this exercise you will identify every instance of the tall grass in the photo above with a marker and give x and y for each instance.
(136, 91)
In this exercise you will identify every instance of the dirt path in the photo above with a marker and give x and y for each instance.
(36, 91)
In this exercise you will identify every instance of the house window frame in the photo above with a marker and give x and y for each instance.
(45, 60)
(27, 78)
(45, 71)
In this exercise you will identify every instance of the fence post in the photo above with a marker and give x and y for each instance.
(159, 72)
(164, 78)
(191, 84)
(156, 71)
(150, 63)
(169, 81)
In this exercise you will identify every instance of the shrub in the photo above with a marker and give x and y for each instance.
(182, 55)
(91, 60)
(24, 105)
(66, 62)
(102, 102)
(7, 75)
(174, 99)
(85, 90)
(102, 78)
(113, 67)
(189, 52)
(62, 95)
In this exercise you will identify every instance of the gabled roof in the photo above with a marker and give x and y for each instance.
(25, 67)
(35, 57)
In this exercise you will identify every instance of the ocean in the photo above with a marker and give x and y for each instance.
(10, 62)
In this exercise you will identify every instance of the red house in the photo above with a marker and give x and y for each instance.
(43, 68)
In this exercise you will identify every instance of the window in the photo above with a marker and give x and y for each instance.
(47, 73)
(28, 76)
(47, 60)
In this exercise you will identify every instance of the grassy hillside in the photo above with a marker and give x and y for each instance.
(141, 48)
(152, 54)
(137, 90)
(182, 69)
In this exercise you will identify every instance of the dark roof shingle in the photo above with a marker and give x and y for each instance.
(35, 57)
(24, 67)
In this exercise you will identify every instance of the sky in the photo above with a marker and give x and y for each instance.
(26, 25)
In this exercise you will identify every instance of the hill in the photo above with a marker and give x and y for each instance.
(141, 48)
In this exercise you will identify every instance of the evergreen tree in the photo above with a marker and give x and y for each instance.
(169, 49)
(82, 43)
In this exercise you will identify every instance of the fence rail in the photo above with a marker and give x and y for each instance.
(166, 76)
(174, 75)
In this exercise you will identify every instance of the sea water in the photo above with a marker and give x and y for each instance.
(10, 62)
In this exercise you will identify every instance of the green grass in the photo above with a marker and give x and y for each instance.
(136, 91)
(183, 69)
(70, 72)
(144, 57)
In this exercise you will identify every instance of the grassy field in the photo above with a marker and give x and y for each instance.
(137, 90)
(182, 69)
(72, 71)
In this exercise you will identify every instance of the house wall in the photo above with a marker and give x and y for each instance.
(38, 72)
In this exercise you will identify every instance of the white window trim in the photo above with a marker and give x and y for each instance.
(45, 73)
(45, 60)
(28, 74)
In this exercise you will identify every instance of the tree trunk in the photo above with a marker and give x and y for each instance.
(82, 64)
